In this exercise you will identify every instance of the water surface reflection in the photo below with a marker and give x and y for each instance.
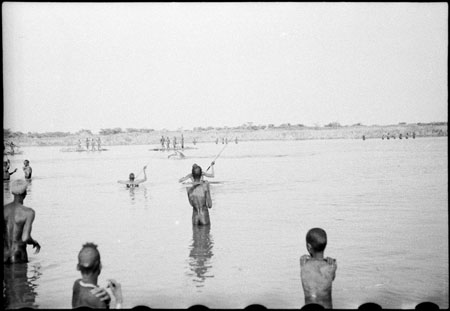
(19, 285)
(200, 255)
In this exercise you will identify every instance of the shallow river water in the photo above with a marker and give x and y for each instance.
(382, 203)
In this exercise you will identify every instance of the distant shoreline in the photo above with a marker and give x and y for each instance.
(202, 136)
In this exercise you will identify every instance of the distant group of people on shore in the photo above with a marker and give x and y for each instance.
(225, 140)
(400, 136)
(91, 143)
(166, 143)
(393, 136)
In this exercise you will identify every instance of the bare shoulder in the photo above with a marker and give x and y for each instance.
(27, 211)
(304, 259)
(8, 206)
(329, 266)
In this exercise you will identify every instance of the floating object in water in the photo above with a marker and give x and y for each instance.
(171, 149)
(71, 149)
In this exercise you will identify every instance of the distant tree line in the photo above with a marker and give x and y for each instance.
(249, 126)
(7, 133)
(118, 130)
(433, 123)
(10, 134)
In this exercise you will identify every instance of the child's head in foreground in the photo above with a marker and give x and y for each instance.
(316, 240)
(89, 259)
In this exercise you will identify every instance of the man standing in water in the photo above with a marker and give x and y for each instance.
(99, 147)
(162, 140)
(131, 183)
(27, 169)
(93, 143)
(199, 198)
(17, 222)
(6, 173)
(168, 142)
(11, 145)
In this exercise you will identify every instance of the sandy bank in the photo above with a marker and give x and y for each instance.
(293, 133)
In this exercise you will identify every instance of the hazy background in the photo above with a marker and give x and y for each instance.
(69, 66)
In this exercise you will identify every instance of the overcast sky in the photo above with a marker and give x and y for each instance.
(72, 66)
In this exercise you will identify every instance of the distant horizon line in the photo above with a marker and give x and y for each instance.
(248, 125)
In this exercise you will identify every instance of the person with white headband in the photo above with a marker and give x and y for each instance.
(18, 220)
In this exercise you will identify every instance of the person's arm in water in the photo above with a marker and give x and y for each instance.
(26, 234)
(210, 175)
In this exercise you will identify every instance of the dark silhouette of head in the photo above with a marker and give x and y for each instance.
(316, 240)
(131, 176)
(196, 172)
(89, 259)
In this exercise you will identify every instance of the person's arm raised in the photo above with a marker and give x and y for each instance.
(144, 179)
(116, 290)
(182, 179)
(210, 175)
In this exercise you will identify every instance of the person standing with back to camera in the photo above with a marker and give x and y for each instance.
(200, 198)
(317, 273)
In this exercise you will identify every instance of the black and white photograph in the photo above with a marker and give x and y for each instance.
(225, 155)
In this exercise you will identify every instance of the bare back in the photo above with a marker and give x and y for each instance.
(200, 200)
(17, 229)
(82, 296)
(317, 276)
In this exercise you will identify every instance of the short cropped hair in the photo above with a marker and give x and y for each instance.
(89, 258)
(317, 238)
(196, 171)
